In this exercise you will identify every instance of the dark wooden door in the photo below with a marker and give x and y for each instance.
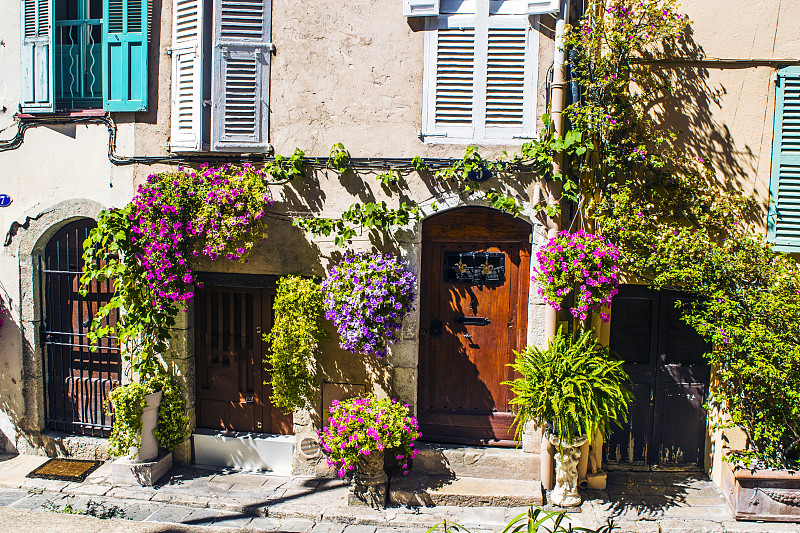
(664, 358)
(77, 379)
(232, 384)
(475, 268)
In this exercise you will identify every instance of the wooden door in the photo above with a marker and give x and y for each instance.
(475, 269)
(232, 384)
(664, 358)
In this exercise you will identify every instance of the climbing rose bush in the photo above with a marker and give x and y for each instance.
(582, 262)
(367, 296)
(361, 426)
(214, 211)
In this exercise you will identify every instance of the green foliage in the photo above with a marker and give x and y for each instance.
(96, 509)
(126, 405)
(173, 420)
(536, 520)
(504, 203)
(286, 168)
(294, 340)
(339, 158)
(372, 215)
(573, 384)
(390, 177)
(459, 172)
(418, 164)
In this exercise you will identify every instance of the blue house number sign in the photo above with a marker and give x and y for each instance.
(5, 200)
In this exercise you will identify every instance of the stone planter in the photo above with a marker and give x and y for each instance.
(369, 483)
(565, 493)
(148, 448)
(771, 495)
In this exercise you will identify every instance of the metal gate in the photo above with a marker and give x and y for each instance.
(77, 380)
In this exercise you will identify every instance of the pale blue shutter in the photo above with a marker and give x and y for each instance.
(187, 76)
(37, 56)
(240, 79)
(125, 55)
(783, 222)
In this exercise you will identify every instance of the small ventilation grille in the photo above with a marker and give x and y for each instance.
(240, 96)
(455, 71)
(505, 76)
(242, 20)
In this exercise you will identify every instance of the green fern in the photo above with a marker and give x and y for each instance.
(574, 384)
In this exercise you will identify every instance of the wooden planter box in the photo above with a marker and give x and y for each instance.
(771, 495)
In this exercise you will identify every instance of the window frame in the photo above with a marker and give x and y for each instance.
(505, 15)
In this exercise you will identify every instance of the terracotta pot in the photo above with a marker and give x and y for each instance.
(148, 448)
(369, 481)
(771, 495)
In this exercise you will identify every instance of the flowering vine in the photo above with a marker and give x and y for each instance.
(361, 426)
(367, 296)
(582, 262)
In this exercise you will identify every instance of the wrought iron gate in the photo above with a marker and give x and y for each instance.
(77, 380)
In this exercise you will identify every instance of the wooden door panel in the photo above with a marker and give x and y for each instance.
(231, 390)
(471, 324)
(679, 431)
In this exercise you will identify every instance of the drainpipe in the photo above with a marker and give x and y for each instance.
(553, 224)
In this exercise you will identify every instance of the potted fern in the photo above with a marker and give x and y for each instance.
(575, 388)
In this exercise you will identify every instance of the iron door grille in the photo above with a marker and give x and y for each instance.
(77, 380)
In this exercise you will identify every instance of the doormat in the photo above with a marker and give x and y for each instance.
(65, 469)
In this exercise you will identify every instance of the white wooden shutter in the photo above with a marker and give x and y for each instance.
(37, 56)
(510, 78)
(783, 223)
(187, 75)
(450, 82)
(541, 7)
(420, 8)
(240, 80)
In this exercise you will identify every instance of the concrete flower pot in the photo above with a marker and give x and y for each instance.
(771, 495)
(148, 448)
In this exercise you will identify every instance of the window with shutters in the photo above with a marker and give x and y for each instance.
(220, 75)
(783, 222)
(480, 73)
(83, 54)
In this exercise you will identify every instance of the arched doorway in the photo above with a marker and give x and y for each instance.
(473, 312)
(77, 380)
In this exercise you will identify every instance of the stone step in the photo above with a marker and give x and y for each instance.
(425, 490)
(476, 462)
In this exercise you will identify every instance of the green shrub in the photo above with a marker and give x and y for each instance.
(574, 384)
(293, 342)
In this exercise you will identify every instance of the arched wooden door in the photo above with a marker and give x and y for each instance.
(473, 311)
(77, 380)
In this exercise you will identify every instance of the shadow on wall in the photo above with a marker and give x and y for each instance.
(687, 110)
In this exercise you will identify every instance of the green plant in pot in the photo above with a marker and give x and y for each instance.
(575, 388)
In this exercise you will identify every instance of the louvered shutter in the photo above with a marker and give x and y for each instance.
(783, 223)
(187, 75)
(510, 79)
(37, 56)
(125, 29)
(240, 79)
(450, 85)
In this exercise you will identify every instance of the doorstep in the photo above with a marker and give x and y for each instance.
(426, 490)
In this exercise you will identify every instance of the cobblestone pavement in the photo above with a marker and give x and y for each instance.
(637, 502)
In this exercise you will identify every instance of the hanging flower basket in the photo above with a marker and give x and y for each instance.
(583, 262)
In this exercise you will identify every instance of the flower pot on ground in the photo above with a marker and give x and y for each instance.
(762, 494)
(148, 444)
(359, 433)
(575, 388)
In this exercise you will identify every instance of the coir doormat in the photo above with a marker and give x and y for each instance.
(65, 469)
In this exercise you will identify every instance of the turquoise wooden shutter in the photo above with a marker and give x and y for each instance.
(783, 221)
(37, 56)
(240, 78)
(125, 55)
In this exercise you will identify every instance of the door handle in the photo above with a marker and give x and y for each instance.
(437, 328)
